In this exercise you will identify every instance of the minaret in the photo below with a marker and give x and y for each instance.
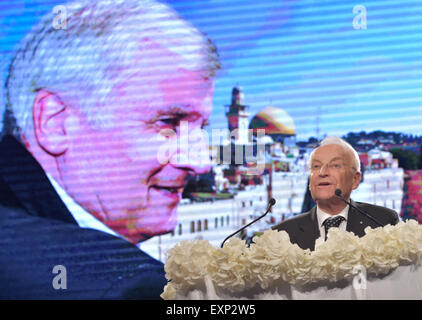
(238, 116)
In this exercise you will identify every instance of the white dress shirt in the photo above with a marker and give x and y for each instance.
(322, 216)
(82, 217)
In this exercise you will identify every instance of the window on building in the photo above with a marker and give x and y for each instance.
(222, 221)
(192, 226)
(180, 229)
(199, 225)
(216, 223)
(206, 224)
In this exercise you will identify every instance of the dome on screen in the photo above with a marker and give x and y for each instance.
(275, 121)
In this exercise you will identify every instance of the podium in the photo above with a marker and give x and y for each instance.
(384, 264)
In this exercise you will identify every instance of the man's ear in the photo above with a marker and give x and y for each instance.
(356, 179)
(49, 115)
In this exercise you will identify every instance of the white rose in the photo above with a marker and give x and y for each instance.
(169, 292)
(187, 263)
(335, 258)
(275, 258)
(379, 250)
(228, 267)
(409, 239)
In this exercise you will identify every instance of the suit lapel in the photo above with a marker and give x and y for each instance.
(309, 229)
(355, 222)
(28, 182)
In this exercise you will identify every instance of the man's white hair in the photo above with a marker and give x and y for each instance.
(345, 145)
(81, 63)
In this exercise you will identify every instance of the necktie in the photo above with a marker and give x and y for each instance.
(332, 222)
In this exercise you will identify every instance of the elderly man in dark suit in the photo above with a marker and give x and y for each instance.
(334, 165)
(83, 175)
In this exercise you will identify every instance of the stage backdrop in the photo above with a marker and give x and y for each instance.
(300, 70)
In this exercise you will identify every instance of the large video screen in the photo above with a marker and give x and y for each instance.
(158, 122)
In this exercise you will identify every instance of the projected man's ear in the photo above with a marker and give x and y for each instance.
(49, 116)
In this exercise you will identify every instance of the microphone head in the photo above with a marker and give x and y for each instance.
(271, 202)
(337, 192)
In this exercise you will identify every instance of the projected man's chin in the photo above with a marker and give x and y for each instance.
(137, 219)
(164, 222)
(145, 223)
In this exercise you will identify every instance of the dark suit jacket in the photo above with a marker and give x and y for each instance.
(37, 232)
(303, 229)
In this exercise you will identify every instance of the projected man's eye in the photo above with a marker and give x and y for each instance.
(168, 123)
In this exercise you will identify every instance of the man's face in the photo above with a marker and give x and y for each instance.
(331, 169)
(115, 172)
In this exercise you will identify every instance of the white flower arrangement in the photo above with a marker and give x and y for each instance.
(273, 260)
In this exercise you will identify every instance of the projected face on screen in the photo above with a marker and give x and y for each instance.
(114, 171)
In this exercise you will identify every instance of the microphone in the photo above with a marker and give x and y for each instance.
(270, 204)
(337, 192)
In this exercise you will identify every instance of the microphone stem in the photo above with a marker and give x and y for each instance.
(362, 212)
(243, 228)
(370, 217)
